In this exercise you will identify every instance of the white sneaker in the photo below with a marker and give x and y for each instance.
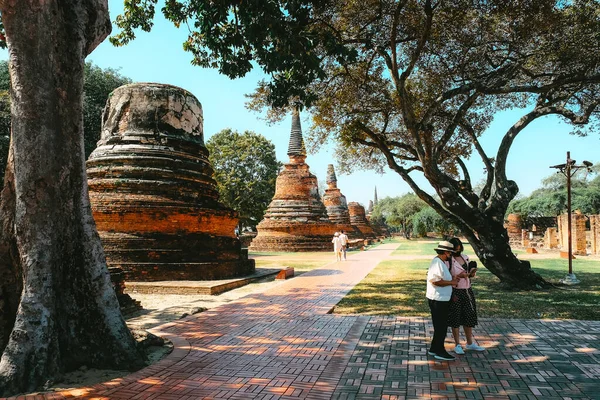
(475, 347)
(459, 350)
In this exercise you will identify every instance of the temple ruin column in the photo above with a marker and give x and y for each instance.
(595, 233)
(578, 233)
(550, 238)
(513, 227)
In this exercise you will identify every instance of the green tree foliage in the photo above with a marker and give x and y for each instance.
(278, 35)
(97, 85)
(428, 220)
(551, 199)
(245, 170)
(398, 212)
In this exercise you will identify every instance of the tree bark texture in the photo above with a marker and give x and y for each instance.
(58, 310)
(491, 245)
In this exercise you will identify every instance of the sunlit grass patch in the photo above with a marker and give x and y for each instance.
(397, 287)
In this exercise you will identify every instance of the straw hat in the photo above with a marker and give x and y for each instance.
(445, 246)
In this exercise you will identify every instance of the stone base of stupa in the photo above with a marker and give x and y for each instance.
(149, 257)
(296, 237)
(153, 241)
(367, 231)
(352, 232)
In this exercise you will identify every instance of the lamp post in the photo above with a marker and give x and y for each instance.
(568, 169)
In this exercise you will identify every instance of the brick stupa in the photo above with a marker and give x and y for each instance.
(337, 206)
(359, 220)
(296, 219)
(153, 197)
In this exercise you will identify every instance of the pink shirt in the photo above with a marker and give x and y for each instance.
(463, 283)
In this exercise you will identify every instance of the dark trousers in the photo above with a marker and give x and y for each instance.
(439, 316)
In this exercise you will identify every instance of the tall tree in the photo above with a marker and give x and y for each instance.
(411, 84)
(245, 170)
(551, 199)
(97, 85)
(398, 212)
(429, 77)
(58, 310)
(428, 220)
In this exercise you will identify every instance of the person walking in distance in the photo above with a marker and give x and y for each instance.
(344, 240)
(439, 291)
(463, 309)
(337, 246)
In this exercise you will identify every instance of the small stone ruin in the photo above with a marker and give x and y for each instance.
(153, 197)
(552, 233)
(296, 219)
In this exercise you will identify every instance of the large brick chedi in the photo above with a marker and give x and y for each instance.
(296, 219)
(155, 203)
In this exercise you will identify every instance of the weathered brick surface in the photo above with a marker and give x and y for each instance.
(155, 203)
(337, 206)
(550, 238)
(578, 233)
(513, 227)
(359, 220)
(296, 219)
(595, 233)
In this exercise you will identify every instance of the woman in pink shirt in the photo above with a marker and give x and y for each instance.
(463, 309)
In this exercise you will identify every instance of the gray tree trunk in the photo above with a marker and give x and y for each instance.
(58, 310)
(491, 245)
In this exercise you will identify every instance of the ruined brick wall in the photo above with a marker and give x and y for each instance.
(153, 198)
(551, 238)
(578, 233)
(525, 242)
(514, 227)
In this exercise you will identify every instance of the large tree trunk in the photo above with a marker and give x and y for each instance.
(61, 311)
(490, 243)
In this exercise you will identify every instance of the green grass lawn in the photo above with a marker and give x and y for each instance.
(397, 287)
(416, 247)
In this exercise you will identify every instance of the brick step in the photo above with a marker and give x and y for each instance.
(157, 271)
(170, 255)
(198, 287)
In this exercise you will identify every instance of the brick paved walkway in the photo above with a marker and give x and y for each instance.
(283, 344)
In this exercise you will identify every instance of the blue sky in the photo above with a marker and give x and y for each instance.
(158, 56)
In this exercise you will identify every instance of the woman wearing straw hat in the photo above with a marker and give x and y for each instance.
(439, 292)
(337, 246)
